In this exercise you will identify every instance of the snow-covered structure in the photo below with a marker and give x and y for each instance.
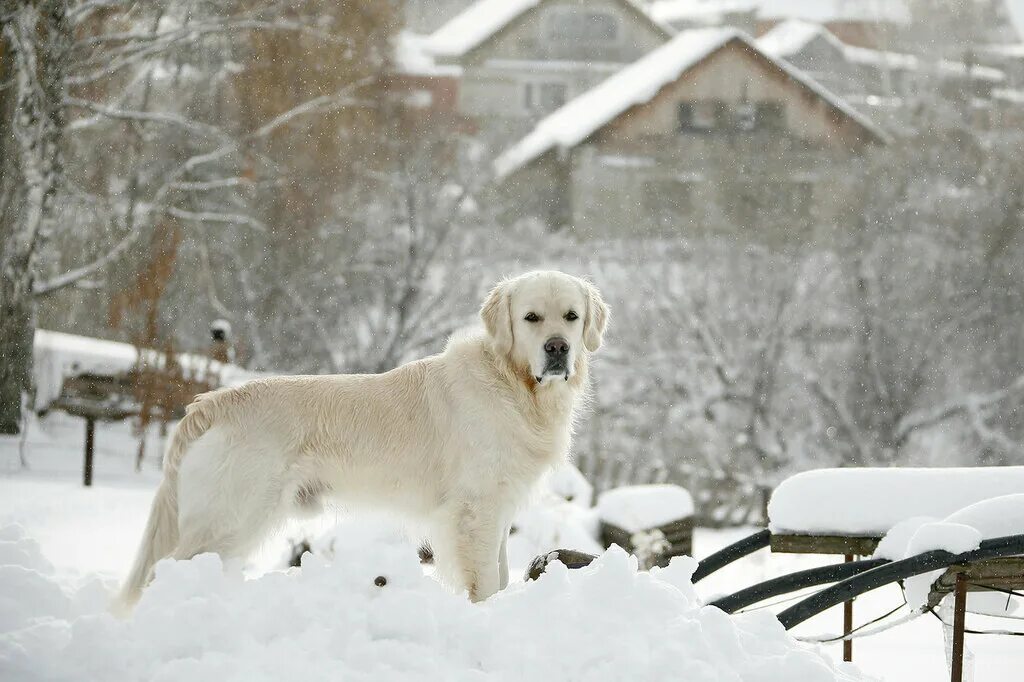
(58, 357)
(869, 502)
(643, 147)
(887, 83)
(522, 59)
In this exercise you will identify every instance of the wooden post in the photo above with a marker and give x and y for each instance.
(90, 439)
(959, 616)
(848, 624)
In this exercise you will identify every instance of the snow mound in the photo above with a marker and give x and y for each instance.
(372, 614)
(868, 502)
(641, 507)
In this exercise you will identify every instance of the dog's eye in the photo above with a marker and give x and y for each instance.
(571, 316)
(532, 317)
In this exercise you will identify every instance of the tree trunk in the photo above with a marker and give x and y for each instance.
(36, 42)
(16, 334)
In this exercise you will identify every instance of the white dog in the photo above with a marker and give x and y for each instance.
(456, 440)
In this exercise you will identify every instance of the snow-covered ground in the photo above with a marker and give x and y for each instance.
(201, 622)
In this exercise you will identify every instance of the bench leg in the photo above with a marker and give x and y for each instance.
(848, 624)
(959, 616)
(90, 440)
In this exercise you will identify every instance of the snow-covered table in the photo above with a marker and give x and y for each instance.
(654, 522)
(849, 511)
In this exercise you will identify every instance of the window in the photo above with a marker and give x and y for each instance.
(746, 116)
(708, 115)
(702, 115)
(544, 97)
(771, 115)
(581, 26)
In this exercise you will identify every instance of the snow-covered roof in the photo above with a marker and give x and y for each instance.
(484, 18)
(413, 57)
(869, 501)
(793, 35)
(638, 83)
(1008, 96)
(475, 24)
(790, 37)
(952, 67)
(824, 11)
(699, 10)
(1008, 51)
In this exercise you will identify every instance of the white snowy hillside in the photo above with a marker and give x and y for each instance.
(372, 614)
(203, 623)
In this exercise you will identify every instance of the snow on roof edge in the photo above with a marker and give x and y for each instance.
(476, 24)
(595, 110)
(792, 35)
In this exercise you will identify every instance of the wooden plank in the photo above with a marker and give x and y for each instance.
(679, 535)
(1005, 573)
(824, 544)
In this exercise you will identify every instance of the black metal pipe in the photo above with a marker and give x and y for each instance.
(845, 590)
(727, 555)
(792, 582)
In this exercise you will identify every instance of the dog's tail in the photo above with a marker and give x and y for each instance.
(161, 534)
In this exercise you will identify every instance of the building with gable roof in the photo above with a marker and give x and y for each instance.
(898, 88)
(655, 147)
(522, 59)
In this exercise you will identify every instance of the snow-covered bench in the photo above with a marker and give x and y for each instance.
(654, 522)
(100, 380)
(847, 511)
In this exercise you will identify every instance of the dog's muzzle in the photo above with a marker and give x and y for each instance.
(556, 357)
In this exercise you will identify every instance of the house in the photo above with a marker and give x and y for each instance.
(686, 14)
(522, 59)
(863, 23)
(706, 130)
(866, 23)
(899, 88)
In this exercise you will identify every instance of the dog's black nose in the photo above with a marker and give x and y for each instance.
(556, 346)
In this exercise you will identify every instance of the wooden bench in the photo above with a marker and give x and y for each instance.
(1001, 574)
(678, 536)
(114, 397)
(850, 547)
(652, 522)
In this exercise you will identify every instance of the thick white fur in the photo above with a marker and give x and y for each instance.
(455, 440)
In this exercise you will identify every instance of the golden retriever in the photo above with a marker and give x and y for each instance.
(455, 440)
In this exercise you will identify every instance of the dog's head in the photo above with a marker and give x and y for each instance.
(543, 321)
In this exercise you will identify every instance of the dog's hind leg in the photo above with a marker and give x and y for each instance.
(230, 496)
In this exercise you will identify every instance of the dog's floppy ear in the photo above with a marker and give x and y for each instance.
(497, 317)
(596, 320)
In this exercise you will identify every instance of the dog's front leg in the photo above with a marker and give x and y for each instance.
(478, 543)
(503, 560)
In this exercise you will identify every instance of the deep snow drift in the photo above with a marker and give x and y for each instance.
(198, 622)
